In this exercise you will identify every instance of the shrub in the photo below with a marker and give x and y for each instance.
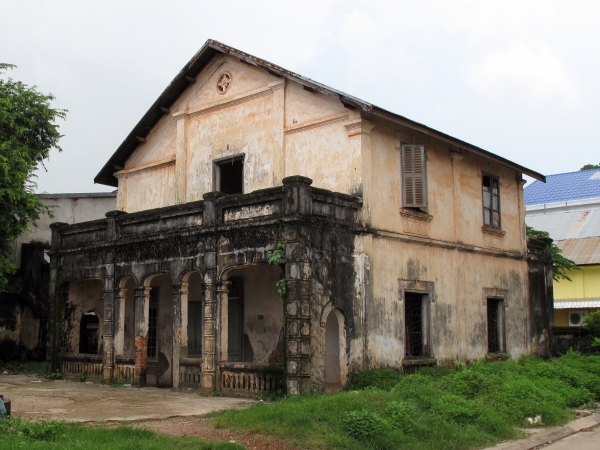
(456, 408)
(402, 415)
(363, 425)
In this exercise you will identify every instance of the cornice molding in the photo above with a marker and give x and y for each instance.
(317, 123)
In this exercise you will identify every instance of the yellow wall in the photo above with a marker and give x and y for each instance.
(585, 284)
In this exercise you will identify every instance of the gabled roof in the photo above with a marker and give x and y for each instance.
(211, 48)
(564, 187)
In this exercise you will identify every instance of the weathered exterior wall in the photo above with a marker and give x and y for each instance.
(454, 187)
(67, 208)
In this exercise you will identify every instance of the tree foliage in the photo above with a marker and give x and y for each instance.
(590, 167)
(560, 264)
(27, 134)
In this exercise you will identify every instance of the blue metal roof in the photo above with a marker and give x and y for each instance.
(564, 187)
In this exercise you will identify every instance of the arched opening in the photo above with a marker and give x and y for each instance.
(254, 316)
(160, 331)
(84, 317)
(335, 351)
(88, 333)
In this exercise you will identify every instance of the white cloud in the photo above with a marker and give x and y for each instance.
(536, 71)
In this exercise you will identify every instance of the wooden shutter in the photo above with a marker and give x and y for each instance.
(414, 176)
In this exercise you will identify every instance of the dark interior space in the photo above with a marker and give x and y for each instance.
(413, 325)
(231, 176)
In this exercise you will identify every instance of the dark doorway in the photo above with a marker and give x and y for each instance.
(88, 336)
(230, 176)
(413, 324)
(235, 322)
(495, 321)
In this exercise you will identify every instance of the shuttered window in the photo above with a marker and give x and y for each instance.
(414, 177)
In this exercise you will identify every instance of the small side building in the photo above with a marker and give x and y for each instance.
(568, 208)
(24, 303)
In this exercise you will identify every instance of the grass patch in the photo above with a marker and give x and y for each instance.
(17, 434)
(433, 409)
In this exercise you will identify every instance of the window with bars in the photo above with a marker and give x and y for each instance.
(491, 200)
(415, 325)
(414, 177)
(495, 323)
(153, 325)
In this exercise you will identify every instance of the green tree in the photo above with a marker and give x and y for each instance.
(27, 134)
(590, 167)
(560, 264)
(591, 322)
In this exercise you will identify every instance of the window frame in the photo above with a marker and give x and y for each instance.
(217, 163)
(493, 178)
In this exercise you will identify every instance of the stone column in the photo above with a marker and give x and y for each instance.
(223, 328)
(119, 327)
(209, 338)
(298, 351)
(180, 316)
(108, 355)
(142, 311)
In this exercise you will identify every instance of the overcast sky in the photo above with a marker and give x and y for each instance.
(518, 78)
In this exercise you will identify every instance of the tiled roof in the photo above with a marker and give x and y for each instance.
(581, 251)
(564, 187)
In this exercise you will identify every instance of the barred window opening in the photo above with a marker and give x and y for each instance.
(414, 324)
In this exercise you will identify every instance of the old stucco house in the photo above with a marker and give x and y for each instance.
(403, 246)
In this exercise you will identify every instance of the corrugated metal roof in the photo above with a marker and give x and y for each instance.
(581, 251)
(564, 186)
(578, 304)
(211, 48)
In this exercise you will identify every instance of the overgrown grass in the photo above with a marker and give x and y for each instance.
(433, 409)
(17, 434)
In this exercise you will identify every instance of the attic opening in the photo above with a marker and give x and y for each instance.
(229, 175)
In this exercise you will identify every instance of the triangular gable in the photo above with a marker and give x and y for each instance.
(200, 60)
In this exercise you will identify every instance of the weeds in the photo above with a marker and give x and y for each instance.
(478, 405)
(53, 375)
(16, 433)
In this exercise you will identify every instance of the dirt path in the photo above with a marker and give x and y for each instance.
(201, 427)
(74, 401)
(160, 410)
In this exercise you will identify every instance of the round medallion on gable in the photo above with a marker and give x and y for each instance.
(224, 82)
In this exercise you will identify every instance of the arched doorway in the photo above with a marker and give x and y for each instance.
(335, 351)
